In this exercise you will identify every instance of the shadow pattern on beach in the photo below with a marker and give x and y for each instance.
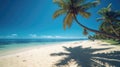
(85, 57)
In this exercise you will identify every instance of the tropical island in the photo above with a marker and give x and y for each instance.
(92, 40)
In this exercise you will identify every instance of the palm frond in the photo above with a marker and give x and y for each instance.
(59, 2)
(118, 29)
(62, 3)
(68, 20)
(85, 14)
(101, 27)
(116, 20)
(103, 11)
(78, 2)
(90, 4)
(97, 2)
(100, 19)
(59, 12)
(109, 6)
(105, 26)
(117, 13)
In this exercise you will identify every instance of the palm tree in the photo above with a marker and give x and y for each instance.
(109, 19)
(74, 7)
(106, 27)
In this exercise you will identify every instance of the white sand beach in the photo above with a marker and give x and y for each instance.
(48, 56)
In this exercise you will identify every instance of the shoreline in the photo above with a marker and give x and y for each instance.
(44, 56)
(22, 49)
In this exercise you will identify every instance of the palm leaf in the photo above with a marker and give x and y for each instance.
(97, 2)
(100, 19)
(118, 13)
(118, 29)
(62, 3)
(103, 11)
(68, 20)
(78, 2)
(90, 4)
(59, 2)
(59, 12)
(105, 26)
(85, 14)
(109, 6)
(101, 27)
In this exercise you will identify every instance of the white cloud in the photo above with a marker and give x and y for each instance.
(46, 36)
(62, 37)
(58, 37)
(33, 35)
(42, 36)
(49, 36)
(36, 36)
(12, 36)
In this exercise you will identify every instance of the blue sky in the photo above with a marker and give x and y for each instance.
(33, 18)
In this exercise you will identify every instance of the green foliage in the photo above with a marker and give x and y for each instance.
(103, 11)
(58, 12)
(84, 14)
(109, 27)
(68, 20)
(72, 8)
(109, 20)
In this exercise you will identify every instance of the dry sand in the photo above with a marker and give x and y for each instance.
(41, 56)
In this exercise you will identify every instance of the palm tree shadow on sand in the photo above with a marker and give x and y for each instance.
(85, 57)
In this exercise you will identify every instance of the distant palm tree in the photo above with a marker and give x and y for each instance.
(105, 27)
(74, 7)
(109, 19)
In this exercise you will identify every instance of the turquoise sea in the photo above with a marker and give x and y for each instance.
(13, 44)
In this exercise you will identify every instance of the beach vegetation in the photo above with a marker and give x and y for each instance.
(72, 8)
(110, 20)
(110, 23)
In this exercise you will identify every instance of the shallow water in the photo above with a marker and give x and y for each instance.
(14, 44)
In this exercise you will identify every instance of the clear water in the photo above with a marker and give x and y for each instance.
(13, 44)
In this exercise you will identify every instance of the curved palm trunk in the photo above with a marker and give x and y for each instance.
(106, 34)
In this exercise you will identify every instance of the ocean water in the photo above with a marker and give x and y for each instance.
(12, 44)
